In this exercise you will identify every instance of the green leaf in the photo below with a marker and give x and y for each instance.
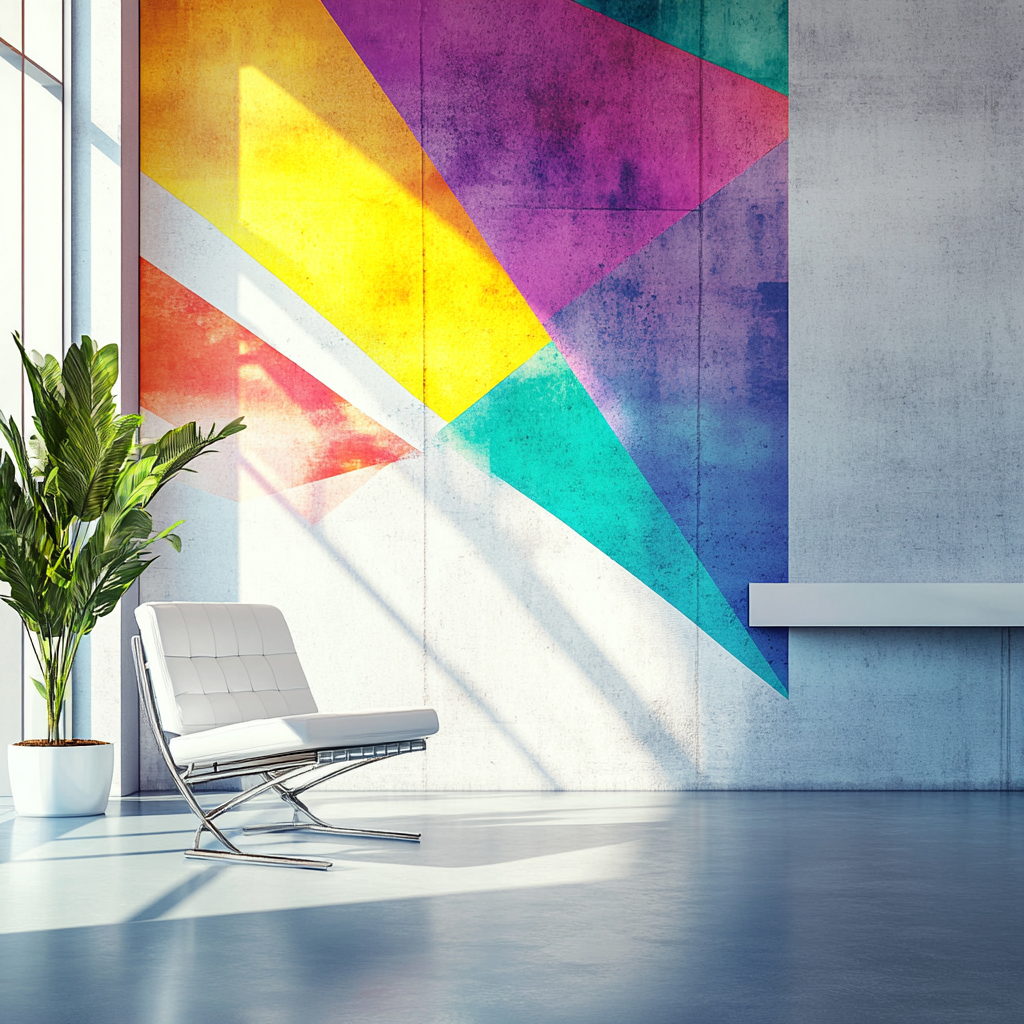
(75, 532)
(182, 445)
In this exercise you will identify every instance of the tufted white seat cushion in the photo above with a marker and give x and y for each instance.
(267, 736)
(228, 684)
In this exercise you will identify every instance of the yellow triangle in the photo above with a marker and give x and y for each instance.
(264, 120)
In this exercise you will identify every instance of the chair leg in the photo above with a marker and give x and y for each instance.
(259, 858)
(237, 856)
(317, 824)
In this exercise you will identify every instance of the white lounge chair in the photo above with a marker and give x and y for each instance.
(227, 698)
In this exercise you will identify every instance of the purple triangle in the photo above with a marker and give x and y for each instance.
(570, 139)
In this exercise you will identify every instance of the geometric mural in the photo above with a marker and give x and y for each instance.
(750, 37)
(560, 226)
(283, 141)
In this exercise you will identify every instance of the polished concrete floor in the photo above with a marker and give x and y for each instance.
(628, 907)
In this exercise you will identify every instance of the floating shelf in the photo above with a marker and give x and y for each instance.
(887, 604)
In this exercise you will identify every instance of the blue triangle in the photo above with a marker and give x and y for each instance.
(684, 349)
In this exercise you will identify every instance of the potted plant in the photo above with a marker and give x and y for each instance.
(74, 536)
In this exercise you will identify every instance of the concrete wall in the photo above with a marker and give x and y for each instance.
(907, 248)
(905, 442)
(906, 381)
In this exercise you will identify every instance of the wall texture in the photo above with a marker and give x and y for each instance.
(505, 468)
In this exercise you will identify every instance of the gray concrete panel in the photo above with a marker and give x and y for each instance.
(906, 256)
(906, 388)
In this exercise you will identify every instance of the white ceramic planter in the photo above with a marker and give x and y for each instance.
(61, 782)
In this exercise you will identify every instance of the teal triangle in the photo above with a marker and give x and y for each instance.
(749, 37)
(540, 431)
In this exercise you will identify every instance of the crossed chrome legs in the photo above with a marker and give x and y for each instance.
(316, 824)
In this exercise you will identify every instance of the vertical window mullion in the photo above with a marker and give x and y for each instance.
(66, 106)
(21, 316)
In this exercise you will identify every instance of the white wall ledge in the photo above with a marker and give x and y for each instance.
(886, 604)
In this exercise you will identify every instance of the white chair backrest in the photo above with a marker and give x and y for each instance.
(217, 664)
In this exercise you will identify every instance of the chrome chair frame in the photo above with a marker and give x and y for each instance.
(288, 774)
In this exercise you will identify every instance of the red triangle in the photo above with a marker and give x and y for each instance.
(196, 363)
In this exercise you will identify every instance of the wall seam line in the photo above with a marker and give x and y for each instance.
(700, 318)
(423, 394)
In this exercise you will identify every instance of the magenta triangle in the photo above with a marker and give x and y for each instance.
(570, 139)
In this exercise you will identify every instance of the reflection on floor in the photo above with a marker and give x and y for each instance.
(590, 907)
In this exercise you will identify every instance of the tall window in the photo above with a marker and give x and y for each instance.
(34, 213)
(33, 206)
